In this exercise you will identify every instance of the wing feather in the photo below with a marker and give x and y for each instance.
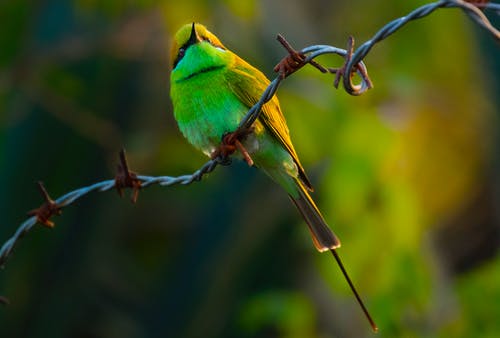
(248, 84)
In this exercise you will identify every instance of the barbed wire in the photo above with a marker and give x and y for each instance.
(102, 186)
(41, 215)
(471, 8)
(288, 65)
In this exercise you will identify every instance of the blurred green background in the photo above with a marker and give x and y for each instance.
(407, 175)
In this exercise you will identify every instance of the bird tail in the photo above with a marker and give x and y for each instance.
(324, 239)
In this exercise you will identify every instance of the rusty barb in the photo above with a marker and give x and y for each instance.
(295, 60)
(353, 59)
(231, 142)
(46, 210)
(358, 67)
(126, 179)
(298, 59)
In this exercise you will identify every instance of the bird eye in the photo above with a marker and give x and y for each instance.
(181, 53)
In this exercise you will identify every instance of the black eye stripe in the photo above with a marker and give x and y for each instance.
(180, 54)
(182, 50)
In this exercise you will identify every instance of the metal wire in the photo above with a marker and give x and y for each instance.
(311, 52)
(72, 196)
(472, 11)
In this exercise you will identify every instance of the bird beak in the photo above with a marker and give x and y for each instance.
(193, 38)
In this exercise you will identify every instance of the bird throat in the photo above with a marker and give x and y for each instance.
(200, 71)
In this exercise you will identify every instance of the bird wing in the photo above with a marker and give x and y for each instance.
(248, 84)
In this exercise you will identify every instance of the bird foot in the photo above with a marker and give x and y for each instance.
(228, 146)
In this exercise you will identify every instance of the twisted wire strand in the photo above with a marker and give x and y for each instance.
(471, 10)
(253, 113)
(312, 52)
(147, 181)
(493, 7)
(102, 186)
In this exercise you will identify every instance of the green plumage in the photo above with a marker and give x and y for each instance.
(212, 89)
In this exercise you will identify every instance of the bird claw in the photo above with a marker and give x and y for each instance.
(228, 146)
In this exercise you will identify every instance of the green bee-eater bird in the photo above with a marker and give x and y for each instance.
(212, 89)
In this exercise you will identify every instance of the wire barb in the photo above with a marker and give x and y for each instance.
(469, 8)
(341, 72)
(293, 61)
(231, 142)
(46, 210)
(126, 179)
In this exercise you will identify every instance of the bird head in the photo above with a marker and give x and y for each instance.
(194, 39)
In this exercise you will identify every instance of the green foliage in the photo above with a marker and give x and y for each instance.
(477, 316)
(291, 314)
